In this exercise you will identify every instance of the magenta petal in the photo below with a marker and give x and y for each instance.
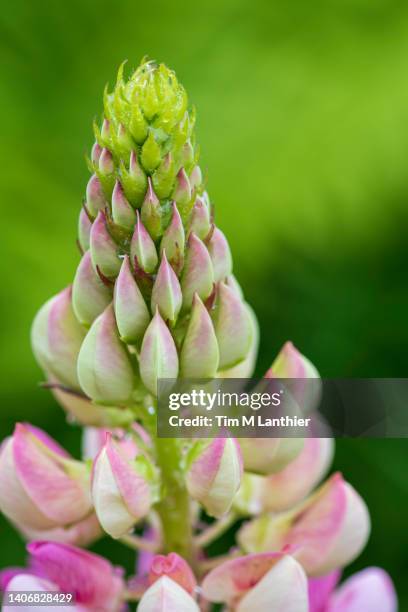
(370, 590)
(320, 590)
(92, 579)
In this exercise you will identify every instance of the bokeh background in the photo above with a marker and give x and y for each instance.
(303, 123)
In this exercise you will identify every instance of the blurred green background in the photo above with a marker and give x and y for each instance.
(303, 123)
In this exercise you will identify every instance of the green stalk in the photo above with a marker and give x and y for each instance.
(174, 508)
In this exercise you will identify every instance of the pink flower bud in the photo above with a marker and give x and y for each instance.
(233, 327)
(329, 529)
(41, 487)
(199, 356)
(121, 490)
(90, 296)
(158, 356)
(288, 487)
(84, 230)
(175, 568)
(95, 583)
(165, 595)
(105, 163)
(95, 198)
(214, 474)
(198, 276)
(292, 364)
(166, 293)
(269, 581)
(245, 368)
(142, 247)
(122, 212)
(96, 153)
(132, 314)
(196, 177)
(200, 220)
(370, 590)
(151, 212)
(104, 366)
(56, 338)
(182, 190)
(220, 254)
(104, 250)
(173, 241)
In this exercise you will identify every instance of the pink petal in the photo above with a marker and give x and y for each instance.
(175, 568)
(370, 590)
(320, 590)
(92, 579)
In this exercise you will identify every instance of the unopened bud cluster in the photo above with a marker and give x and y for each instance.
(153, 295)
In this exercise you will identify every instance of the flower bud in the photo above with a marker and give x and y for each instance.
(245, 368)
(330, 528)
(105, 163)
(151, 154)
(95, 198)
(122, 212)
(132, 314)
(41, 487)
(84, 230)
(370, 590)
(288, 487)
(220, 254)
(233, 327)
(90, 296)
(173, 241)
(121, 488)
(268, 455)
(138, 126)
(56, 338)
(196, 177)
(268, 581)
(197, 276)
(134, 181)
(166, 293)
(158, 356)
(163, 178)
(200, 221)
(292, 364)
(199, 356)
(151, 212)
(94, 582)
(142, 247)
(182, 190)
(214, 474)
(165, 595)
(123, 141)
(105, 133)
(96, 153)
(103, 248)
(173, 566)
(105, 369)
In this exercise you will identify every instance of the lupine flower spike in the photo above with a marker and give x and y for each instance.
(154, 296)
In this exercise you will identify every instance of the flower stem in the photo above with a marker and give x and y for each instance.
(174, 508)
(138, 543)
(215, 530)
